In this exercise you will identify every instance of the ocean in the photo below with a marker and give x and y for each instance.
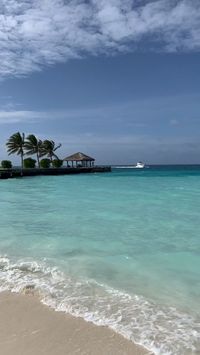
(120, 249)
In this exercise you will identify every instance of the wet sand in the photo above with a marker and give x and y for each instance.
(28, 327)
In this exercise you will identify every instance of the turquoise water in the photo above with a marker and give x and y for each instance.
(120, 249)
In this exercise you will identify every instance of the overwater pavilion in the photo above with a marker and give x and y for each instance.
(79, 160)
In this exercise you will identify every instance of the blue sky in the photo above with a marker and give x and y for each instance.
(119, 80)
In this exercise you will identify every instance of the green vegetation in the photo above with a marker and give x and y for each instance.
(15, 145)
(45, 163)
(57, 163)
(6, 164)
(48, 149)
(29, 163)
(31, 145)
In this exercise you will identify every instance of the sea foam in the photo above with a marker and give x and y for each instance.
(162, 330)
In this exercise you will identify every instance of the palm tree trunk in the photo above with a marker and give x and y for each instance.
(55, 156)
(38, 160)
(22, 160)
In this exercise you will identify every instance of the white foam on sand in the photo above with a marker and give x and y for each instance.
(162, 330)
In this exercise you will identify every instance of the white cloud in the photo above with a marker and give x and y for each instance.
(128, 149)
(10, 117)
(38, 33)
(122, 116)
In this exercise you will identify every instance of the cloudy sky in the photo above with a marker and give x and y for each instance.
(117, 79)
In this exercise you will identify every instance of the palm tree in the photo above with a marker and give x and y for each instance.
(49, 148)
(33, 146)
(15, 145)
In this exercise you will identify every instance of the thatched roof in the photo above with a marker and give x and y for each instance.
(79, 157)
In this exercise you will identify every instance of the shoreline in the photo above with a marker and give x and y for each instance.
(28, 327)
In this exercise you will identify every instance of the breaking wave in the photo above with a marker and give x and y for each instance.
(163, 330)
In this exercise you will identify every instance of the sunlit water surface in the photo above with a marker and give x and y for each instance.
(120, 249)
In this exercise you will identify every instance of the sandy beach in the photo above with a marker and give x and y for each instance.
(28, 327)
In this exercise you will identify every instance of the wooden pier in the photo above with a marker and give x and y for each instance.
(17, 172)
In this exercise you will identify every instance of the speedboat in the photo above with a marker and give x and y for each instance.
(139, 165)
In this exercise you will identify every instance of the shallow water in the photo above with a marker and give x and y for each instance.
(121, 249)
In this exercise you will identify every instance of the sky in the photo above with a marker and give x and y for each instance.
(116, 79)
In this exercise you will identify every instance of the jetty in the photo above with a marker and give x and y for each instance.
(78, 163)
(18, 172)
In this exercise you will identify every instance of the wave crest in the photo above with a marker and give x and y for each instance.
(163, 330)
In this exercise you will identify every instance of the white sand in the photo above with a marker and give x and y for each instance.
(29, 328)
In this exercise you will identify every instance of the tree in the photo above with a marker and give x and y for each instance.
(49, 148)
(29, 163)
(57, 163)
(6, 164)
(45, 163)
(33, 146)
(15, 145)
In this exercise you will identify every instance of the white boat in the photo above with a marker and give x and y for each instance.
(139, 165)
